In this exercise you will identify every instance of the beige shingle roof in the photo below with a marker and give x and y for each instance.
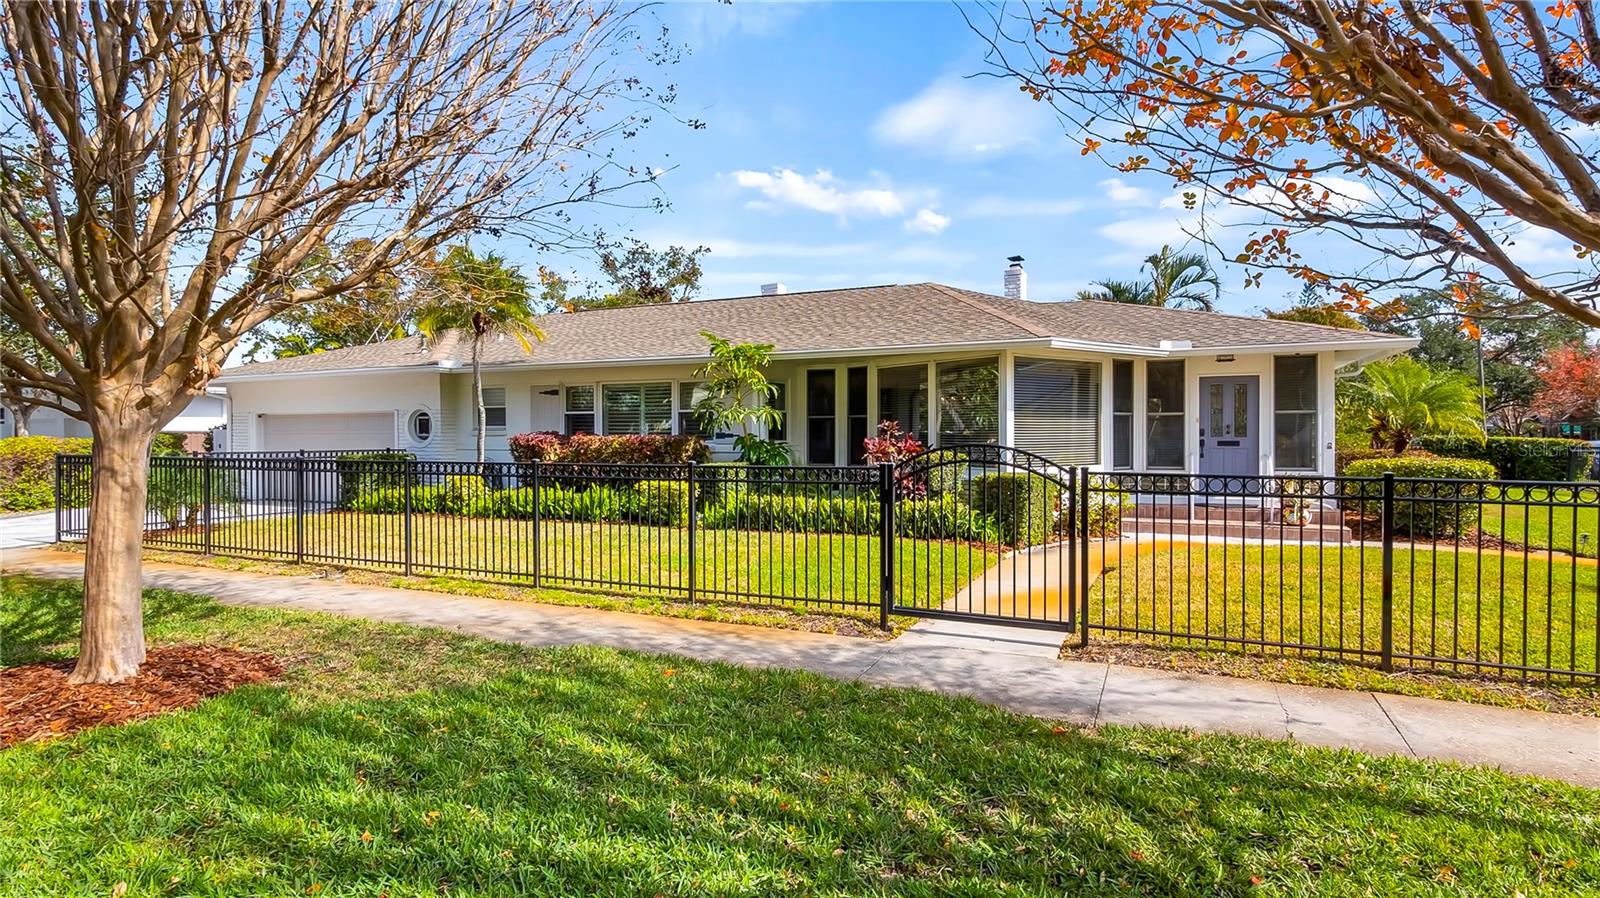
(860, 318)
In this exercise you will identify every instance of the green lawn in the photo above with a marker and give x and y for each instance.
(1446, 603)
(799, 570)
(412, 762)
(1567, 522)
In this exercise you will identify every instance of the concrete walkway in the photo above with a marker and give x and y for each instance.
(995, 665)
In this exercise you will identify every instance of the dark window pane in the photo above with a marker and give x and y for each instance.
(820, 424)
(1165, 441)
(580, 423)
(494, 416)
(1295, 441)
(969, 402)
(1164, 386)
(780, 401)
(903, 398)
(1122, 386)
(1122, 441)
(819, 393)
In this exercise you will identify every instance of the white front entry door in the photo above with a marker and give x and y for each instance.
(548, 409)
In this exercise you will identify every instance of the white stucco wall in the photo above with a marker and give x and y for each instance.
(334, 394)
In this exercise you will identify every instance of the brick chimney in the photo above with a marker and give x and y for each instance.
(1016, 279)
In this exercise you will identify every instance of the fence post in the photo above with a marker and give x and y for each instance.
(885, 542)
(1386, 516)
(694, 521)
(60, 482)
(538, 550)
(300, 507)
(408, 472)
(205, 503)
(1081, 559)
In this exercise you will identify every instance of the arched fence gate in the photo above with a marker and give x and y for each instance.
(1014, 519)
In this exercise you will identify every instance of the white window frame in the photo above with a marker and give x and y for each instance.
(672, 408)
(567, 412)
(505, 412)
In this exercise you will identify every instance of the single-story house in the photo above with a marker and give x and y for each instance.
(1089, 383)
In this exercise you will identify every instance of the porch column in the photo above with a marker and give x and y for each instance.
(1008, 392)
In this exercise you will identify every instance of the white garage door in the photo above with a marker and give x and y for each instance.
(287, 433)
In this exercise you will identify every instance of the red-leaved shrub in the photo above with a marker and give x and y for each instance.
(651, 448)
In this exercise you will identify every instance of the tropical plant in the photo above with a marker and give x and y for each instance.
(738, 395)
(1176, 280)
(1402, 399)
(481, 296)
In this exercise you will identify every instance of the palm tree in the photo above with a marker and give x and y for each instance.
(1177, 280)
(480, 295)
(1403, 399)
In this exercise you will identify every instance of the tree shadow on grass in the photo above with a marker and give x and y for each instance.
(40, 617)
(585, 771)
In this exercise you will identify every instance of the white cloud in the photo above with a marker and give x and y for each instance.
(821, 193)
(1125, 194)
(1186, 212)
(1015, 207)
(927, 221)
(725, 248)
(1538, 247)
(966, 118)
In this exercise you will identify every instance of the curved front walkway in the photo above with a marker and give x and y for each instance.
(1551, 745)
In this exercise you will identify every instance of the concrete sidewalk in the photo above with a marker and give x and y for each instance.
(1002, 667)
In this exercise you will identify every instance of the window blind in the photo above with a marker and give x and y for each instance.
(1057, 406)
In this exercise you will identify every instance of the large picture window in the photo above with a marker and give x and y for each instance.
(636, 408)
(1122, 414)
(903, 398)
(1058, 410)
(969, 402)
(1164, 415)
(1294, 410)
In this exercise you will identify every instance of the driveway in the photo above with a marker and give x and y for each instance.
(20, 531)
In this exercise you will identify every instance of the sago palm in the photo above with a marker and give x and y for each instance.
(480, 296)
(1403, 399)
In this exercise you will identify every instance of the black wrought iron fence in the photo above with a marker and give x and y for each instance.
(1457, 575)
(1453, 575)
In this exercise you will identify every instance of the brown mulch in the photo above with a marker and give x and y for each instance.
(37, 702)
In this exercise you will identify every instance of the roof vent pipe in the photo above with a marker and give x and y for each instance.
(1016, 279)
(773, 289)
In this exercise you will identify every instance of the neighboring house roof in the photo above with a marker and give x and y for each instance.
(859, 319)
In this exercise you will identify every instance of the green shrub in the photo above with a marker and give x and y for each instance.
(662, 502)
(360, 473)
(1343, 458)
(28, 470)
(168, 444)
(1023, 506)
(601, 503)
(1515, 458)
(1106, 504)
(383, 501)
(453, 496)
(177, 490)
(943, 517)
(1424, 505)
(793, 513)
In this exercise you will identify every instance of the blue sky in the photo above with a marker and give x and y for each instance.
(845, 145)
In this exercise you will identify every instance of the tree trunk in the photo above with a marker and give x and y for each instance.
(23, 413)
(112, 644)
(477, 395)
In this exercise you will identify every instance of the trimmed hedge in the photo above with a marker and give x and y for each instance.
(28, 469)
(944, 517)
(1416, 513)
(652, 448)
(1344, 458)
(1023, 506)
(1515, 458)
(800, 514)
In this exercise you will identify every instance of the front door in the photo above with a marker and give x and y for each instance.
(548, 409)
(1229, 426)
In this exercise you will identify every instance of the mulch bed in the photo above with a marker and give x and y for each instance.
(37, 702)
